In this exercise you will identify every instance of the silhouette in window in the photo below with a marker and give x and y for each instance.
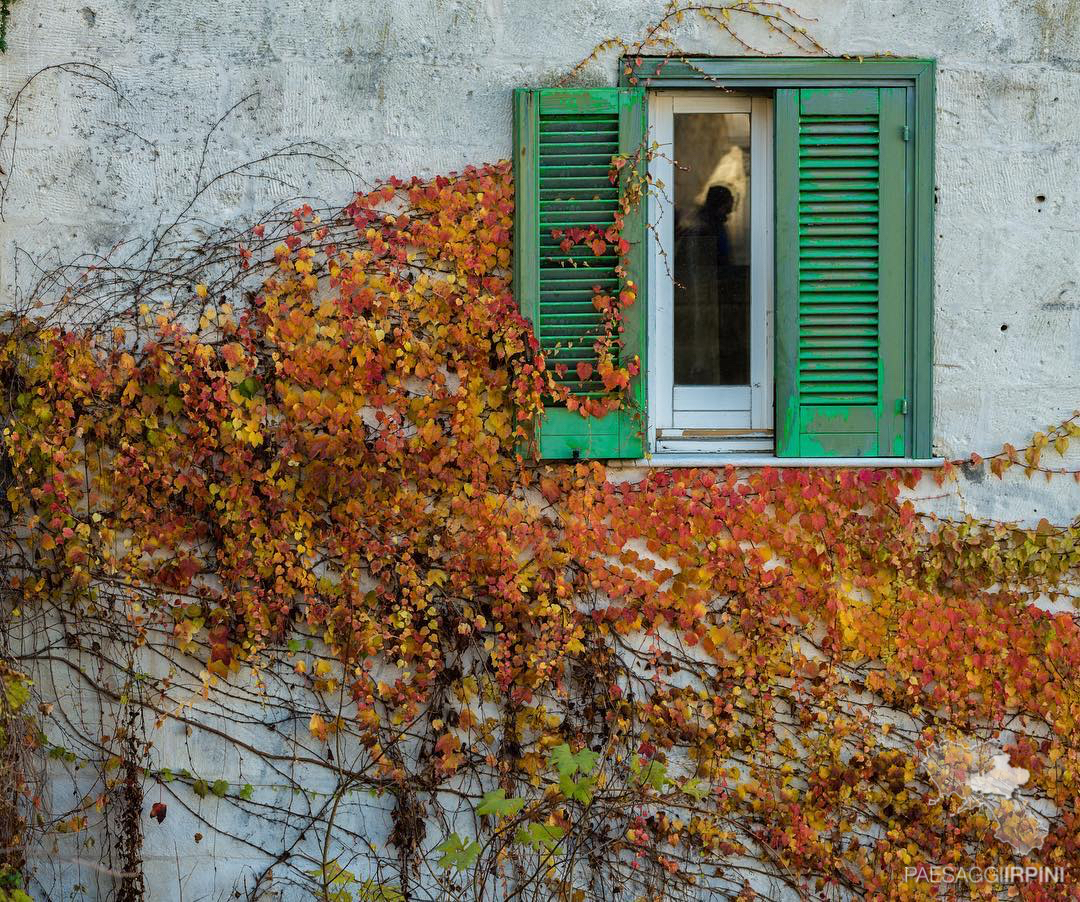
(712, 299)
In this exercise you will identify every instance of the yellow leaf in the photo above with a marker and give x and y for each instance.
(318, 727)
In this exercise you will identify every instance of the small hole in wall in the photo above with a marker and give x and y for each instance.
(1004, 327)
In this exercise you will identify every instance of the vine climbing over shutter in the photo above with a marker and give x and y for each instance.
(579, 262)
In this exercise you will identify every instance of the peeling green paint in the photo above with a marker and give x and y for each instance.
(552, 184)
(844, 286)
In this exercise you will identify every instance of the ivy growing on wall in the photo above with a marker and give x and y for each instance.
(633, 688)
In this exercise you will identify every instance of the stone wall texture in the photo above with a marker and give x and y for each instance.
(423, 86)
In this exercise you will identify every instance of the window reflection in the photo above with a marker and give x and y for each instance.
(712, 248)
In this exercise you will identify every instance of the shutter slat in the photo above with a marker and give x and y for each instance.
(839, 242)
(839, 168)
(574, 204)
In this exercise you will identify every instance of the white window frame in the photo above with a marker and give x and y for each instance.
(720, 430)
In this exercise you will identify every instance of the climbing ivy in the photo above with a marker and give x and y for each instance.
(654, 686)
(296, 461)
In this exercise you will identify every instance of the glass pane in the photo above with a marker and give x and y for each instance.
(712, 248)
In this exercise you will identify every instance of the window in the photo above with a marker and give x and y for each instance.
(781, 264)
(711, 274)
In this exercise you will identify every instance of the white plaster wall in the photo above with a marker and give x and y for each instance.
(423, 87)
(396, 87)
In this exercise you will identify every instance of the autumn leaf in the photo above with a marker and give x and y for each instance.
(318, 727)
(333, 480)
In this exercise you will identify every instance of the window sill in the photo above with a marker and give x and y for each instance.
(768, 460)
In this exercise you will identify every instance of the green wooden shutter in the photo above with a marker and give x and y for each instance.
(843, 278)
(564, 142)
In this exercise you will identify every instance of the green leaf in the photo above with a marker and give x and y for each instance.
(200, 788)
(371, 891)
(495, 802)
(535, 835)
(247, 791)
(568, 764)
(249, 387)
(654, 774)
(577, 790)
(563, 761)
(219, 788)
(456, 854)
(567, 785)
(16, 692)
(586, 760)
(694, 787)
(341, 884)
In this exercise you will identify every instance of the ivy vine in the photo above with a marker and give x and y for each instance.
(269, 491)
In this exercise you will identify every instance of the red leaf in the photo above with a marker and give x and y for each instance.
(157, 811)
(584, 370)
